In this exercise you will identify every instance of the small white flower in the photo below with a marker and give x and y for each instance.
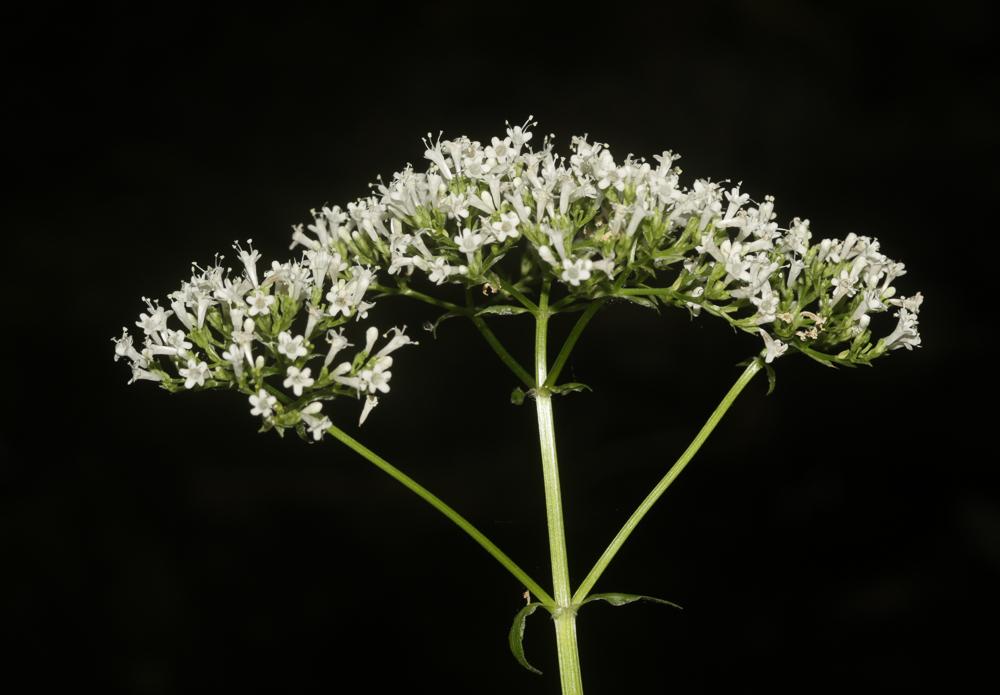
(202, 303)
(322, 263)
(176, 340)
(474, 165)
(794, 269)
(519, 134)
(546, 255)
(293, 348)
(606, 266)
(315, 315)
(767, 305)
(845, 286)
(438, 270)
(434, 154)
(398, 340)
(244, 338)
(906, 333)
(736, 201)
(298, 379)
(870, 302)
(376, 378)
(299, 238)
(195, 373)
(260, 303)
(469, 242)
(351, 381)
(911, 304)
(124, 347)
(774, 347)
(798, 236)
(341, 299)
(234, 355)
(262, 403)
(317, 424)
(370, 403)
(155, 321)
(140, 374)
(249, 260)
(499, 150)
(575, 272)
(371, 335)
(232, 292)
(506, 227)
(337, 343)
(457, 206)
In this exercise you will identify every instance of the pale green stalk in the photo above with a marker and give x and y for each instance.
(454, 516)
(661, 487)
(571, 339)
(564, 615)
(494, 342)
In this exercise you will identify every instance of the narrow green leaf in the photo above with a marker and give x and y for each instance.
(772, 378)
(641, 301)
(812, 354)
(623, 599)
(432, 327)
(501, 310)
(569, 387)
(492, 261)
(516, 636)
(667, 258)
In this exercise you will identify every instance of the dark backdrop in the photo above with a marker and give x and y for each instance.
(844, 531)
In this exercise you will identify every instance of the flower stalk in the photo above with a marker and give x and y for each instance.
(451, 514)
(626, 530)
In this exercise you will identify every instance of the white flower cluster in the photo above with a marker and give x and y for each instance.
(505, 215)
(250, 333)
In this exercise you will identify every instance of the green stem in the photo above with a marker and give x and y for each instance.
(566, 304)
(681, 297)
(508, 359)
(420, 296)
(516, 294)
(574, 335)
(454, 516)
(716, 311)
(494, 342)
(661, 487)
(564, 615)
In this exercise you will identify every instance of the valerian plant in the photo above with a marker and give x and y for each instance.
(496, 230)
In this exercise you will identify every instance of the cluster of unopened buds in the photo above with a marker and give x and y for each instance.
(508, 218)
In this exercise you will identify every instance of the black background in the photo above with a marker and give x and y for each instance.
(844, 531)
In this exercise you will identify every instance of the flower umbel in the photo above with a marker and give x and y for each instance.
(606, 228)
(258, 337)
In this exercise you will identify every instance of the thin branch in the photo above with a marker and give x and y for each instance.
(454, 516)
(570, 343)
(619, 540)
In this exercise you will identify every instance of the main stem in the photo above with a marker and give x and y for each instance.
(564, 615)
